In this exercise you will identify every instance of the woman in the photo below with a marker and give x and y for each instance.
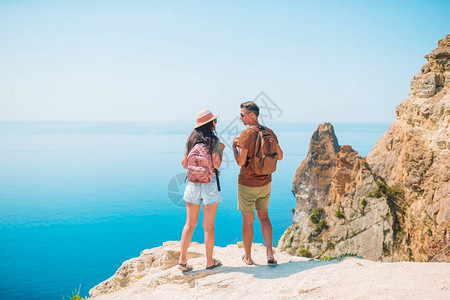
(197, 194)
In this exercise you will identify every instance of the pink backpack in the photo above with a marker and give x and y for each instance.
(199, 162)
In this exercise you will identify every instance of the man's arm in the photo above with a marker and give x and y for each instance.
(240, 153)
(280, 152)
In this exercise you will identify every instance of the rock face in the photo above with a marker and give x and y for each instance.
(154, 275)
(414, 154)
(339, 206)
(394, 204)
(161, 258)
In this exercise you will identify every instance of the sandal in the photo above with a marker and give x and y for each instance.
(245, 262)
(216, 264)
(272, 262)
(185, 267)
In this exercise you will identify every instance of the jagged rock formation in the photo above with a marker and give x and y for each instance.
(338, 207)
(154, 275)
(394, 204)
(414, 154)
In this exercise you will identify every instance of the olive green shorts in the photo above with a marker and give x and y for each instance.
(250, 198)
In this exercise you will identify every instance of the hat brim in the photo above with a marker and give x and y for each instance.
(207, 121)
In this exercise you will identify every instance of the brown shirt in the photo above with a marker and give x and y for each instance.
(247, 176)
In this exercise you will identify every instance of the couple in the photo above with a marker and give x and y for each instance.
(254, 183)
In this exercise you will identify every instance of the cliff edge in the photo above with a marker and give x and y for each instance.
(154, 275)
(392, 205)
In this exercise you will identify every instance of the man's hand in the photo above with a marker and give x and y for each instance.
(222, 147)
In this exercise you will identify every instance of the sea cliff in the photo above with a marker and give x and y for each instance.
(393, 204)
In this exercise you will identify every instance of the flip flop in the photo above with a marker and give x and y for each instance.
(243, 260)
(185, 267)
(272, 262)
(216, 264)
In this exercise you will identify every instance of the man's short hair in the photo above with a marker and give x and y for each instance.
(251, 106)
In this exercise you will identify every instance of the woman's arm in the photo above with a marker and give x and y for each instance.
(217, 158)
(184, 161)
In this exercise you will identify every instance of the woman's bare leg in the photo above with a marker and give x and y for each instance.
(209, 215)
(192, 211)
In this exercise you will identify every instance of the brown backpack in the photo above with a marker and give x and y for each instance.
(264, 161)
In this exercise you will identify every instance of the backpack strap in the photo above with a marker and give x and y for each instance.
(258, 136)
(217, 178)
(216, 172)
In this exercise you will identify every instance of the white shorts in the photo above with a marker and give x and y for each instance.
(202, 193)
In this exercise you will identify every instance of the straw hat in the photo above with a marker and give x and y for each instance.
(204, 117)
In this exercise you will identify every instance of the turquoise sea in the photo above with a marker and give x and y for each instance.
(79, 198)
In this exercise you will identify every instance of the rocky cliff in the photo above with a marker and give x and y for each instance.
(392, 205)
(154, 275)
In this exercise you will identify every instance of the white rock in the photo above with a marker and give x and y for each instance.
(294, 277)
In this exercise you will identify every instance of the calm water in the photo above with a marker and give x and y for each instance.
(78, 199)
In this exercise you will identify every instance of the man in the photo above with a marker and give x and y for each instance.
(253, 190)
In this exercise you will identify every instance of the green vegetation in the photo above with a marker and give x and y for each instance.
(339, 214)
(367, 165)
(429, 232)
(330, 245)
(75, 295)
(392, 193)
(321, 226)
(326, 257)
(439, 67)
(395, 200)
(410, 254)
(400, 235)
(397, 192)
(318, 218)
(304, 253)
(386, 251)
(340, 257)
(386, 216)
(363, 204)
(317, 215)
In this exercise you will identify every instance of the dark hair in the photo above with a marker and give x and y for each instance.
(203, 134)
(250, 106)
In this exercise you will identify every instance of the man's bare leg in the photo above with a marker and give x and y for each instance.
(247, 235)
(266, 230)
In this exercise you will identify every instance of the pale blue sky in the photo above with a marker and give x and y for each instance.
(165, 60)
